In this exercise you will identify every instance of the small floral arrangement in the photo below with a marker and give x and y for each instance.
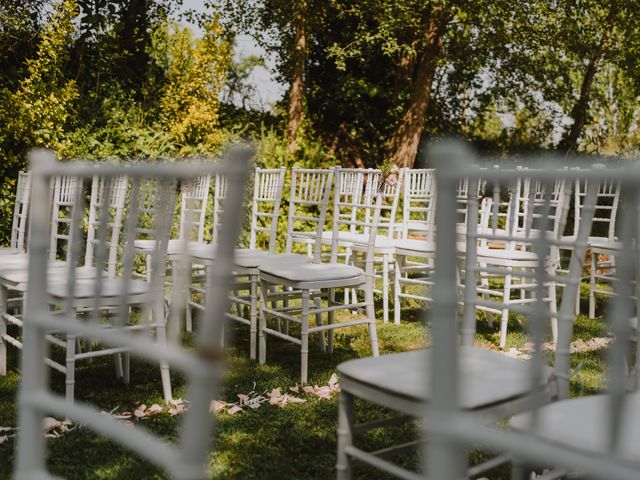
(390, 174)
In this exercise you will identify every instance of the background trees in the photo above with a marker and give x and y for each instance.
(367, 80)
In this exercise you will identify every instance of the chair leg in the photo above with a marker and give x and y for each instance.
(330, 318)
(553, 307)
(253, 316)
(592, 285)
(385, 288)
(346, 415)
(188, 314)
(70, 367)
(304, 337)
(397, 272)
(262, 338)
(3, 331)
(318, 304)
(117, 363)
(504, 321)
(371, 316)
(519, 471)
(347, 291)
(126, 368)
(161, 339)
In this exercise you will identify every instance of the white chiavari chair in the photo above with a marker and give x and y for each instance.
(314, 282)
(361, 187)
(265, 210)
(415, 247)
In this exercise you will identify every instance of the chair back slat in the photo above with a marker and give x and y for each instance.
(267, 195)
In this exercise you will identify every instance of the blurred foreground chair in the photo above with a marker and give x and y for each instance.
(485, 383)
(201, 367)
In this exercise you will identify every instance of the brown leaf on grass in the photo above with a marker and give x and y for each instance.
(154, 409)
(50, 423)
(140, 411)
(217, 405)
(234, 409)
(295, 389)
(3, 439)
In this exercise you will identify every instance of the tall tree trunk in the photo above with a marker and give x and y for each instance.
(296, 94)
(403, 144)
(581, 107)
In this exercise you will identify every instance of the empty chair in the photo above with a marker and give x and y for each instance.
(415, 248)
(265, 211)
(484, 383)
(315, 282)
(188, 458)
(361, 188)
(510, 246)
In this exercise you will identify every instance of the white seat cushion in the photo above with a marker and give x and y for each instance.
(174, 246)
(360, 239)
(248, 258)
(57, 272)
(86, 288)
(414, 245)
(486, 377)
(582, 424)
(506, 254)
(310, 272)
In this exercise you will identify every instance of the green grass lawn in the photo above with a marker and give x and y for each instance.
(298, 441)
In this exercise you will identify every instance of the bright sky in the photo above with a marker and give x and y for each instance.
(268, 91)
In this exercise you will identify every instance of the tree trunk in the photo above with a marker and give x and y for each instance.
(296, 94)
(403, 144)
(579, 110)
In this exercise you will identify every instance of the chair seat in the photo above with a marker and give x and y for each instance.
(8, 251)
(310, 272)
(250, 258)
(383, 244)
(583, 424)
(606, 246)
(86, 288)
(506, 254)
(174, 246)
(57, 272)
(486, 377)
(411, 245)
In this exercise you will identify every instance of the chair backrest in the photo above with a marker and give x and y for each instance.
(193, 207)
(105, 229)
(368, 206)
(514, 208)
(201, 366)
(418, 207)
(66, 191)
(454, 429)
(604, 222)
(308, 203)
(21, 211)
(265, 206)
(362, 186)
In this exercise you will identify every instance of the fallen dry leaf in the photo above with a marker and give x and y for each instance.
(50, 423)
(235, 409)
